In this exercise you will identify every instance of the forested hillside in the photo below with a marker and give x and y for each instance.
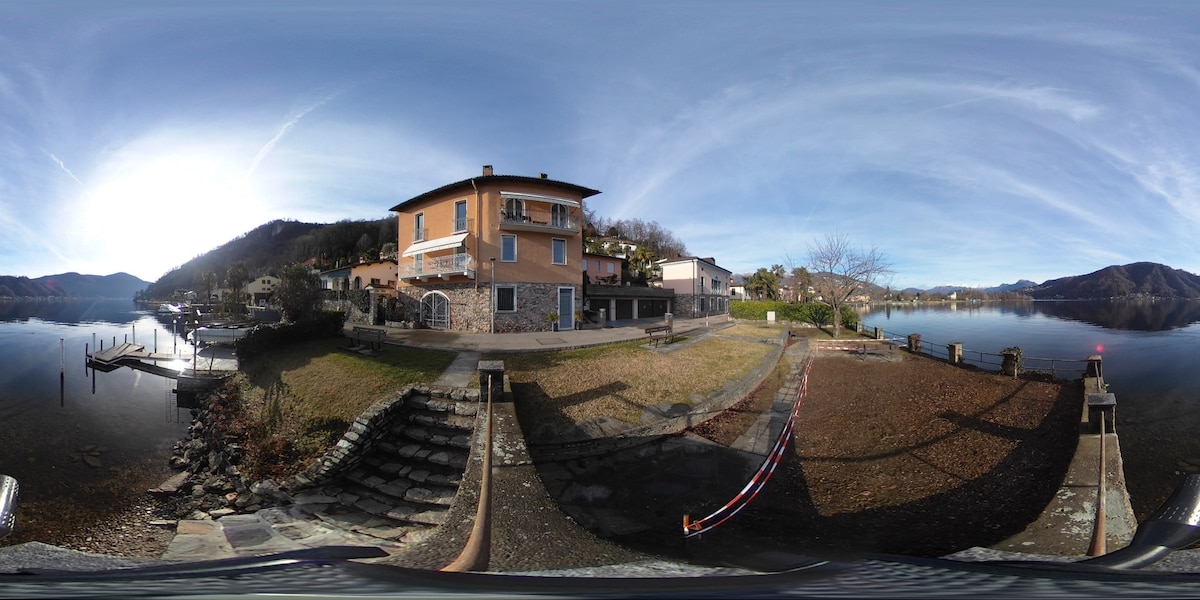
(269, 247)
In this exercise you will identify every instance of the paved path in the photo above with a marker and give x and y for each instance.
(461, 372)
(762, 435)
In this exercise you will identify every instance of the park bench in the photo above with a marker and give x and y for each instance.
(660, 332)
(367, 338)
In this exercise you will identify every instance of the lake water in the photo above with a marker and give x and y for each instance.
(1150, 356)
(80, 445)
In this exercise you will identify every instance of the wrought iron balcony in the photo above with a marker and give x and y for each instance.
(443, 267)
(533, 219)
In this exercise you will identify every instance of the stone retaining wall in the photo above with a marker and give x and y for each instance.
(367, 429)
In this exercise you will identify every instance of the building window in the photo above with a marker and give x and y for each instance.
(419, 263)
(584, 262)
(375, 282)
(419, 227)
(508, 248)
(514, 209)
(460, 216)
(558, 216)
(506, 298)
(703, 304)
(558, 254)
(610, 268)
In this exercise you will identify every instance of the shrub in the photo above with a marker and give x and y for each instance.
(264, 338)
(816, 313)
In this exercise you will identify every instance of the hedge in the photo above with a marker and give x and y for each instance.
(812, 312)
(265, 338)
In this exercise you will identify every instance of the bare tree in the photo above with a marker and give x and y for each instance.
(841, 270)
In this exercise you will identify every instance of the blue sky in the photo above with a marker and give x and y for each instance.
(973, 143)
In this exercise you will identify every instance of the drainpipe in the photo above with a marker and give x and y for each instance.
(478, 237)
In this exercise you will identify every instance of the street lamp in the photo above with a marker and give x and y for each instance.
(492, 310)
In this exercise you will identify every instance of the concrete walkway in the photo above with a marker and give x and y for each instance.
(615, 332)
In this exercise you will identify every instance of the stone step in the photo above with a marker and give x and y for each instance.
(414, 453)
(386, 471)
(445, 420)
(406, 510)
(433, 435)
(466, 408)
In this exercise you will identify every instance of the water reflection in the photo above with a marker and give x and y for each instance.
(1132, 315)
(80, 443)
(1129, 315)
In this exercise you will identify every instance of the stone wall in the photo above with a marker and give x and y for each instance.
(371, 425)
(470, 306)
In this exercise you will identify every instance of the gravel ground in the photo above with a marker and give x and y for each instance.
(911, 457)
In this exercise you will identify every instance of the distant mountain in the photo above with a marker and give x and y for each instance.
(1011, 287)
(72, 285)
(271, 246)
(1135, 280)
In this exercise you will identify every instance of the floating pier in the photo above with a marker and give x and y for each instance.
(135, 356)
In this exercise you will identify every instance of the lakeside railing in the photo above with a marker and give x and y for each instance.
(986, 360)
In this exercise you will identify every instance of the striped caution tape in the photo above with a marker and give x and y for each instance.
(759, 480)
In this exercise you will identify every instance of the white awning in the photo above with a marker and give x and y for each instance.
(540, 198)
(452, 241)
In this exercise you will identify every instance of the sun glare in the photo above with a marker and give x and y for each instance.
(164, 209)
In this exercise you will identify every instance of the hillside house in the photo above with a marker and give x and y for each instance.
(379, 274)
(601, 269)
(493, 253)
(701, 287)
(261, 288)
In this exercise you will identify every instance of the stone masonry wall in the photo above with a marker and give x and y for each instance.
(470, 307)
(368, 428)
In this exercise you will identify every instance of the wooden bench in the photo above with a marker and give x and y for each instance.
(367, 337)
(660, 332)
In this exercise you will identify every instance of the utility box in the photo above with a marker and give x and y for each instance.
(1102, 408)
(492, 370)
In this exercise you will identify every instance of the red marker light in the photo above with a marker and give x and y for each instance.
(1099, 348)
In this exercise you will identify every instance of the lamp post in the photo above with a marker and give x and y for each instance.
(492, 299)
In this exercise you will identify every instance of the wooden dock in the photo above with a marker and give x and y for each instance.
(135, 356)
(122, 352)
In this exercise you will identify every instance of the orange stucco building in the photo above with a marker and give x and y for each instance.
(527, 230)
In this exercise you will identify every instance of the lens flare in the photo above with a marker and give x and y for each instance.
(1099, 348)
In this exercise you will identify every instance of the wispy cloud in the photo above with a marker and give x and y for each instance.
(295, 118)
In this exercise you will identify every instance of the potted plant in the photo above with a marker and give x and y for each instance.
(552, 317)
(578, 320)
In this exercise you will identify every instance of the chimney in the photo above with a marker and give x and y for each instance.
(542, 175)
(487, 170)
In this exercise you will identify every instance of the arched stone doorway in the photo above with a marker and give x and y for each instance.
(435, 310)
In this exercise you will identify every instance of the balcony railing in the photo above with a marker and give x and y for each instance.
(420, 235)
(462, 224)
(441, 266)
(533, 219)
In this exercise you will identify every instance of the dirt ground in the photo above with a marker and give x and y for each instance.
(909, 457)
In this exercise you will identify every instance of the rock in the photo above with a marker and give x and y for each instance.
(91, 461)
(221, 512)
(172, 485)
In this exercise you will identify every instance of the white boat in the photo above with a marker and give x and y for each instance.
(169, 309)
(218, 335)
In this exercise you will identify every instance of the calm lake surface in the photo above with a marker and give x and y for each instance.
(80, 446)
(1151, 353)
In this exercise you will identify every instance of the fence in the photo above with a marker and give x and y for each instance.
(955, 353)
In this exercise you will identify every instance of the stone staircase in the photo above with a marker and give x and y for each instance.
(410, 474)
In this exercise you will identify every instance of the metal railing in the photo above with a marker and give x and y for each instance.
(992, 360)
(420, 235)
(462, 224)
(441, 265)
(540, 218)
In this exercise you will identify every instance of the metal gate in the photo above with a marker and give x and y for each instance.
(435, 311)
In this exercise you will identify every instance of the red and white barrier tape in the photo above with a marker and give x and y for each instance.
(756, 483)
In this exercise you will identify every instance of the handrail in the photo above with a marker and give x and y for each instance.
(1099, 535)
(476, 553)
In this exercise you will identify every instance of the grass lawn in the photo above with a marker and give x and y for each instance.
(309, 393)
(620, 381)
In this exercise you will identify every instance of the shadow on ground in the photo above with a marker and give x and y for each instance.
(637, 497)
